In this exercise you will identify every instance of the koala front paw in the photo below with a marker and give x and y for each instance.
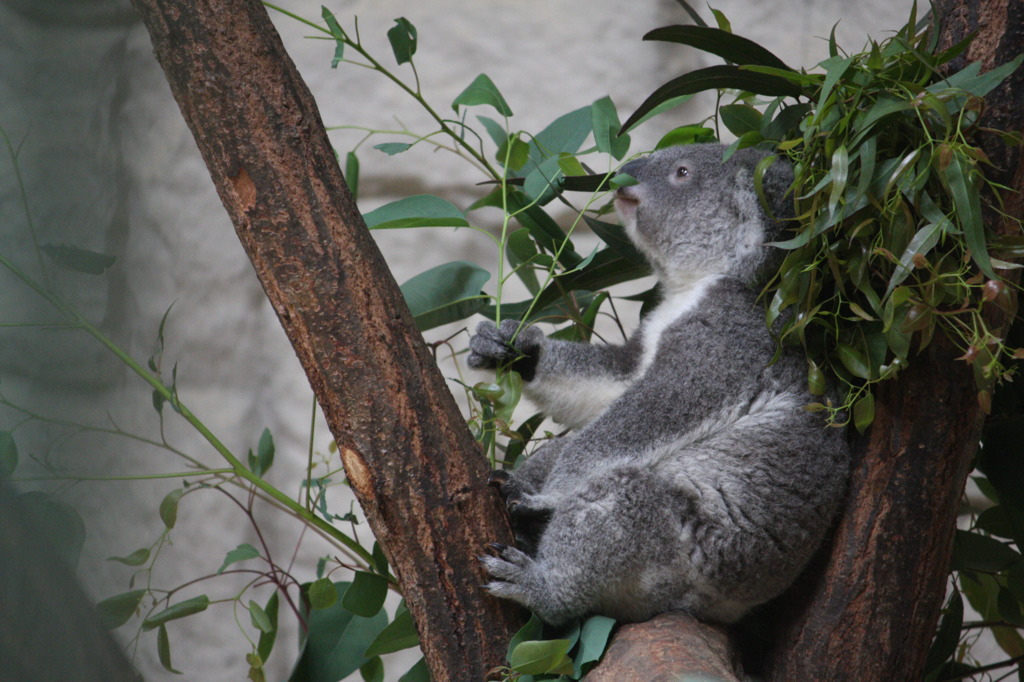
(513, 572)
(492, 346)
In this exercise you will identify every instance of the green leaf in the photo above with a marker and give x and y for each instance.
(372, 670)
(974, 552)
(670, 103)
(834, 67)
(605, 122)
(8, 454)
(78, 259)
(615, 237)
(543, 181)
(322, 594)
(163, 650)
(115, 611)
(840, 169)
(422, 210)
(686, 135)
(260, 620)
(183, 609)
(946, 640)
(593, 641)
(482, 91)
(542, 657)
(961, 178)
(418, 673)
(740, 118)
(261, 462)
(365, 596)
(714, 78)
(400, 634)
(267, 638)
(402, 37)
(605, 270)
(339, 36)
(136, 558)
(513, 152)
(334, 646)
(392, 148)
(446, 293)
(565, 134)
(169, 507)
(496, 130)
(864, 412)
(732, 48)
(979, 86)
(721, 20)
(241, 553)
(854, 361)
(352, 173)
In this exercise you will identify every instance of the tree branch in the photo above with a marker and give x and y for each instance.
(408, 455)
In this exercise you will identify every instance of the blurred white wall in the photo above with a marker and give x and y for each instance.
(109, 165)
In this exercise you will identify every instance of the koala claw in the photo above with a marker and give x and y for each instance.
(499, 477)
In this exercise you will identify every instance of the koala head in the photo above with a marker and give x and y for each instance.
(693, 215)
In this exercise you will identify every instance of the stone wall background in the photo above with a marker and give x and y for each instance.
(108, 164)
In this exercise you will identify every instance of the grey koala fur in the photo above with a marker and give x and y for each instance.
(694, 479)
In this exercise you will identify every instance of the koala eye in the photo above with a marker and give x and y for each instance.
(682, 172)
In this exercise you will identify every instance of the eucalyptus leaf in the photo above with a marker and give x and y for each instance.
(716, 41)
(392, 148)
(365, 596)
(333, 648)
(182, 609)
(482, 91)
(337, 33)
(542, 657)
(422, 210)
(605, 123)
(267, 637)
(115, 611)
(136, 558)
(169, 507)
(402, 37)
(714, 78)
(322, 594)
(418, 673)
(399, 634)
(163, 648)
(446, 293)
(78, 259)
(243, 552)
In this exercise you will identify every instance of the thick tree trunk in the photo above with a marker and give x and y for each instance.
(871, 613)
(406, 450)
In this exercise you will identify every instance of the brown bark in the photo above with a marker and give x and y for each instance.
(406, 450)
(668, 648)
(872, 613)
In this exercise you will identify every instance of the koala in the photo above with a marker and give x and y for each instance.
(693, 478)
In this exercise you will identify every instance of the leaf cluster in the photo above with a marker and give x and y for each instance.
(889, 241)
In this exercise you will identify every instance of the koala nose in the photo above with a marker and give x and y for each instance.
(634, 167)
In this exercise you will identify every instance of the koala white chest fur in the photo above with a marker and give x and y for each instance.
(692, 479)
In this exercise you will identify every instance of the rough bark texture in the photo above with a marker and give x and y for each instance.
(410, 459)
(871, 613)
(668, 648)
